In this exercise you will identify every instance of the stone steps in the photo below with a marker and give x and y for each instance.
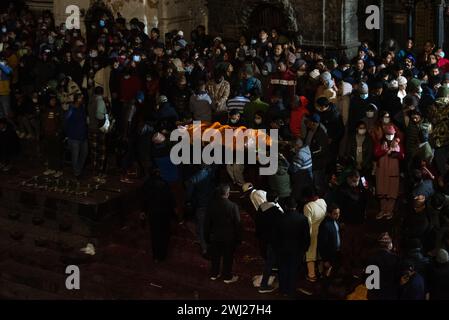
(54, 238)
(12, 290)
(49, 283)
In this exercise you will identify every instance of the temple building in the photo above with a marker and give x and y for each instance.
(330, 24)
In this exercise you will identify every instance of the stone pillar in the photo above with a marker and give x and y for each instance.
(349, 27)
(446, 26)
(410, 5)
(132, 9)
(181, 15)
(439, 22)
(381, 34)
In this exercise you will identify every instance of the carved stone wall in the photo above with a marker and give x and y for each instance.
(182, 15)
(328, 23)
(304, 18)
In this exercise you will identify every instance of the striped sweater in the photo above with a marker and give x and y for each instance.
(302, 160)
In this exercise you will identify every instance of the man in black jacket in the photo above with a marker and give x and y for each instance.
(266, 219)
(292, 241)
(420, 224)
(318, 141)
(352, 200)
(439, 277)
(160, 207)
(329, 241)
(222, 232)
(333, 122)
(388, 263)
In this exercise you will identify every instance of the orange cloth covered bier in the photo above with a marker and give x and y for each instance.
(254, 134)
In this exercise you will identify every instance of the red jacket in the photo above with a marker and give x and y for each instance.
(443, 64)
(380, 151)
(285, 82)
(129, 88)
(297, 115)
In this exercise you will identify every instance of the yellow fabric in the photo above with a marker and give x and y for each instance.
(4, 88)
(13, 62)
(360, 293)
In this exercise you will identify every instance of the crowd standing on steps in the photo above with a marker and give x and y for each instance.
(364, 140)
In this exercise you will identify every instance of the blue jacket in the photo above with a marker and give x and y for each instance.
(414, 289)
(200, 187)
(76, 123)
(161, 156)
(327, 240)
(424, 188)
(5, 71)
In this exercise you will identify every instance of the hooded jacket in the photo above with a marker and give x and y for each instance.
(297, 115)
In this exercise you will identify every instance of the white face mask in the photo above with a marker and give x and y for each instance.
(93, 54)
(234, 120)
(389, 137)
(265, 72)
(386, 120)
(257, 121)
(362, 132)
(34, 100)
(370, 114)
(301, 73)
(127, 76)
(420, 92)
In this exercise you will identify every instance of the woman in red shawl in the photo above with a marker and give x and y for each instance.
(388, 152)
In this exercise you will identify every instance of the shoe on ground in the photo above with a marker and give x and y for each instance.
(89, 249)
(58, 174)
(267, 289)
(389, 216)
(380, 215)
(49, 172)
(213, 278)
(232, 280)
(6, 168)
(21, 135)
(29, 136)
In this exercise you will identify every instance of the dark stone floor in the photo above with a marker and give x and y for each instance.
(122, 267)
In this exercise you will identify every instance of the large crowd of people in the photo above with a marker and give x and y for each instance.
(357, 135)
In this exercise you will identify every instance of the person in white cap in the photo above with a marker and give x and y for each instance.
(180, 41)
(256, 197)
(402, 86)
